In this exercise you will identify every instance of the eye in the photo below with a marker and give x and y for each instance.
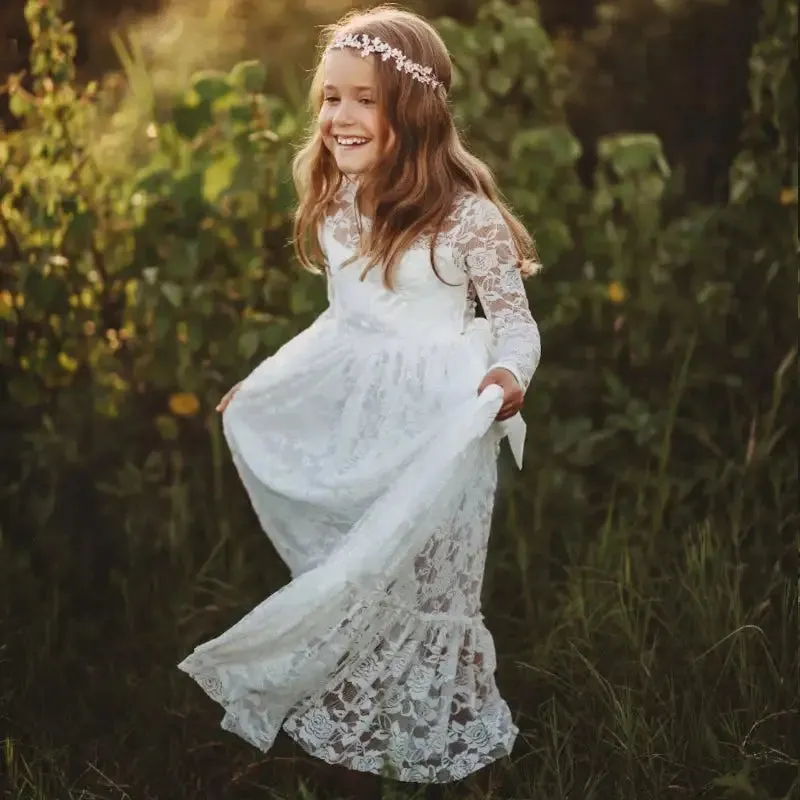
(367, 101)
(331, 99)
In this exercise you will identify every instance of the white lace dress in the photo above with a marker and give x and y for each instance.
(371, 463)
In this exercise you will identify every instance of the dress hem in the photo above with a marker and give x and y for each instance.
(407, 775)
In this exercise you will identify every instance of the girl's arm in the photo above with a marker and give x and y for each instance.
(490, 260)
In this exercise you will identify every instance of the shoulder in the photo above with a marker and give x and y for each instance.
(477, 224)
(477, 215)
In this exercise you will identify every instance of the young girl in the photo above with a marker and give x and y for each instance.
(368, 444)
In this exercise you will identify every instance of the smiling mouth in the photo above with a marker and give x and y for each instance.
(351, 142)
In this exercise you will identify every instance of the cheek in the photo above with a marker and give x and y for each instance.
(324, 125)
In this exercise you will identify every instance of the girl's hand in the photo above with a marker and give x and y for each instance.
(513, 396)
(223, 404)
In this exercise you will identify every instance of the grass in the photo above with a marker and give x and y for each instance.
(647, 660)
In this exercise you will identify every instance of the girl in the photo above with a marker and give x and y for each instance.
(367, 444)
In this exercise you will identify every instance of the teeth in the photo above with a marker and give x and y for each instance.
(350, 140)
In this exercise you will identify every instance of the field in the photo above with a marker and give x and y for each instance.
(642, 585)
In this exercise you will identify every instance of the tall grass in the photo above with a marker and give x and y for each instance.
(653, 662)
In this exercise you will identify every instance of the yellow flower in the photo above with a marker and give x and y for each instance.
(788, 196)
(184, 404)
(87, 298)
(67, 363)
(73, 301)
(89, 327)
(6, 301)
(616, 292)
(20, 301)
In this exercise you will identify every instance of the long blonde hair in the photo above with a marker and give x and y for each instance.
(413, 190)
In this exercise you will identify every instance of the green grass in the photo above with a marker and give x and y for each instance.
(649, 660)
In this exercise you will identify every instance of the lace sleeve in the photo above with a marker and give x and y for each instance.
(486, 251)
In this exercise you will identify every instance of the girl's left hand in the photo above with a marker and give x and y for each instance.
(513, 396)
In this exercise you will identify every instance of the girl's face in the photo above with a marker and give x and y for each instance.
(349, 119)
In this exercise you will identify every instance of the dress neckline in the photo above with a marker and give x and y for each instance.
(351, 189)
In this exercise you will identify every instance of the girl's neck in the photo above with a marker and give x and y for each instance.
(367, 204)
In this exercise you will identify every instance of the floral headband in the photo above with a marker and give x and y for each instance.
(367, 46)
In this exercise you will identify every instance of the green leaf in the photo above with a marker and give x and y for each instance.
(211, 85)
(249, 76)
(167, 427)
(556, 144)
(299, 301)
(79, 231)
(219, 176)
(189, 192)
(162, 325)
(630, 153)
(249, 342)
(152, 180)
(183, 260)
(190, 120)
(19, 105)
(194, 331)
(499, 82)
(241, 113)
(173, 293)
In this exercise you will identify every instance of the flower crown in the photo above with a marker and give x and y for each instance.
(367, 45)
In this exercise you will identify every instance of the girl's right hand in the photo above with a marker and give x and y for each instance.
(223, 404)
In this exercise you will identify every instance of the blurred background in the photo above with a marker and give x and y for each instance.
(642, 585)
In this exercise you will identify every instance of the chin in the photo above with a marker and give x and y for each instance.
(354, 163)
(354, 167)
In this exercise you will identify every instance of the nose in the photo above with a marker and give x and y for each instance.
(343, 112)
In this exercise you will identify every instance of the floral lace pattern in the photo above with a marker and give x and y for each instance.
(371, 463)
(481, 247)
(416, 696)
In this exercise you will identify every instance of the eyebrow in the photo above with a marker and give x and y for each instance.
(357, 88)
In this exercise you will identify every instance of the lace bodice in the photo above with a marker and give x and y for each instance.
(475, 251)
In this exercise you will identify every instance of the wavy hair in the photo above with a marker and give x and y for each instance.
(420, 174)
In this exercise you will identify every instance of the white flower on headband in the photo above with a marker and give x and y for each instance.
(367, 45)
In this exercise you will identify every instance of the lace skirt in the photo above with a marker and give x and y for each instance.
(372, 465)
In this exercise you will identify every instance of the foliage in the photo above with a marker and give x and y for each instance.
(643, 561)
(125, 282)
